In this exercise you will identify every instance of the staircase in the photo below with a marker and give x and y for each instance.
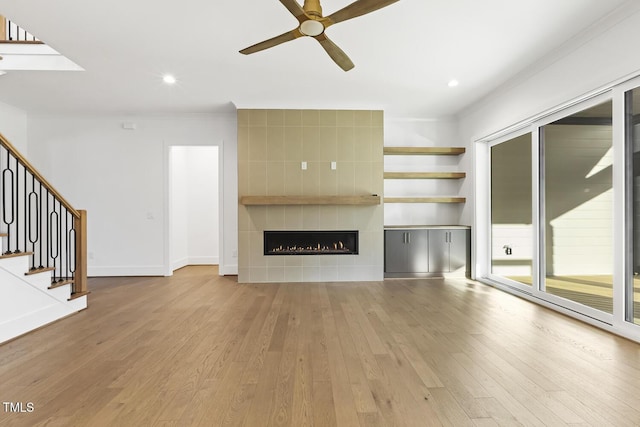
(42, 249)
(33, 300)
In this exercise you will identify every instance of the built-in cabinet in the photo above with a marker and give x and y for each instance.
(427, 251)
(406, 251)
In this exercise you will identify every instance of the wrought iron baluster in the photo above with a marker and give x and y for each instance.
(8, 202)
(33, 220)
(72, 255)
(17, 218)
(53, 243)
(48, 223)
(66, 244)
(24, 206)
(60, 262)
(40, 216)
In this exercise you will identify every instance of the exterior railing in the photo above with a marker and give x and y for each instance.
(40, 223)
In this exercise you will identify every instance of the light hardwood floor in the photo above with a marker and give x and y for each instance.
(197, 349)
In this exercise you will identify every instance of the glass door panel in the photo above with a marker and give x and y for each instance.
(633, 143)
(578, 207)
(511, 210)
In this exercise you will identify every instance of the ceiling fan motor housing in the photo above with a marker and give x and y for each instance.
(313, 8)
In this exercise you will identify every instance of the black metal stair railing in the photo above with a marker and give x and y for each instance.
(14, 33)
(38, 222)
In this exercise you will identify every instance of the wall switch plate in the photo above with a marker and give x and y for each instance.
(303, 165)
(334, 166)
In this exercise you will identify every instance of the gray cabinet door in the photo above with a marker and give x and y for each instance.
(418, 246)
(426, 251)
(439, 251)
(459, 246)
(395, 251)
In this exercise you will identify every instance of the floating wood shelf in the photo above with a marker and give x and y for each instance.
(434, 151)
(424, 200)
(309, 200)
(424, 175)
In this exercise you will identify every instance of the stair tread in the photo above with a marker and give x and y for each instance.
(60, 283)
(38, 270)
(13, 255)
(78, 295)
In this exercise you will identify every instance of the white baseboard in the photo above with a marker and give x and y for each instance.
(228, 270)
(157, 270)
(175, 265)
(203, 260)
(151, 270)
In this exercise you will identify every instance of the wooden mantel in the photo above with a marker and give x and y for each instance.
(309, 200)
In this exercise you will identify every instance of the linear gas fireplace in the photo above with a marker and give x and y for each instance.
(311, 242)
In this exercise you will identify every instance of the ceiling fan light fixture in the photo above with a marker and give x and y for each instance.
(311, 28)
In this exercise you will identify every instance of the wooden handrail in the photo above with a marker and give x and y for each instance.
(24, 162)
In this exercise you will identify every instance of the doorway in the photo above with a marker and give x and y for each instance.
(193, 206)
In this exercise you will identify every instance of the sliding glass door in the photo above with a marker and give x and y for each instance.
(577, 195)
(511, 210)
(563, 208)
(632, 125)
(552, 210)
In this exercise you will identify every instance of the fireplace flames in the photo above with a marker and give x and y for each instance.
(337, 247)
(323, 242)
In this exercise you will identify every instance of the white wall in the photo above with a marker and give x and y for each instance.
(121, 178)
(422, 133)
(13, 125)
(202, 190)
(194, 206)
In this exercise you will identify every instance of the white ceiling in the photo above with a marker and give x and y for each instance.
(404, 54)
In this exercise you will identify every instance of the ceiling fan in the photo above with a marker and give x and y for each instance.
(313, 24)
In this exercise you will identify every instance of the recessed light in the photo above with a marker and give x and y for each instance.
(453, 83)
(169, 79)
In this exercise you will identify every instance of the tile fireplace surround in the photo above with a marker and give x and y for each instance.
(274, 146)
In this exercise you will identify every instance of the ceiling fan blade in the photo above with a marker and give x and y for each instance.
(335, 52)
(358, 8)
(296, 10)
(291, 35)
